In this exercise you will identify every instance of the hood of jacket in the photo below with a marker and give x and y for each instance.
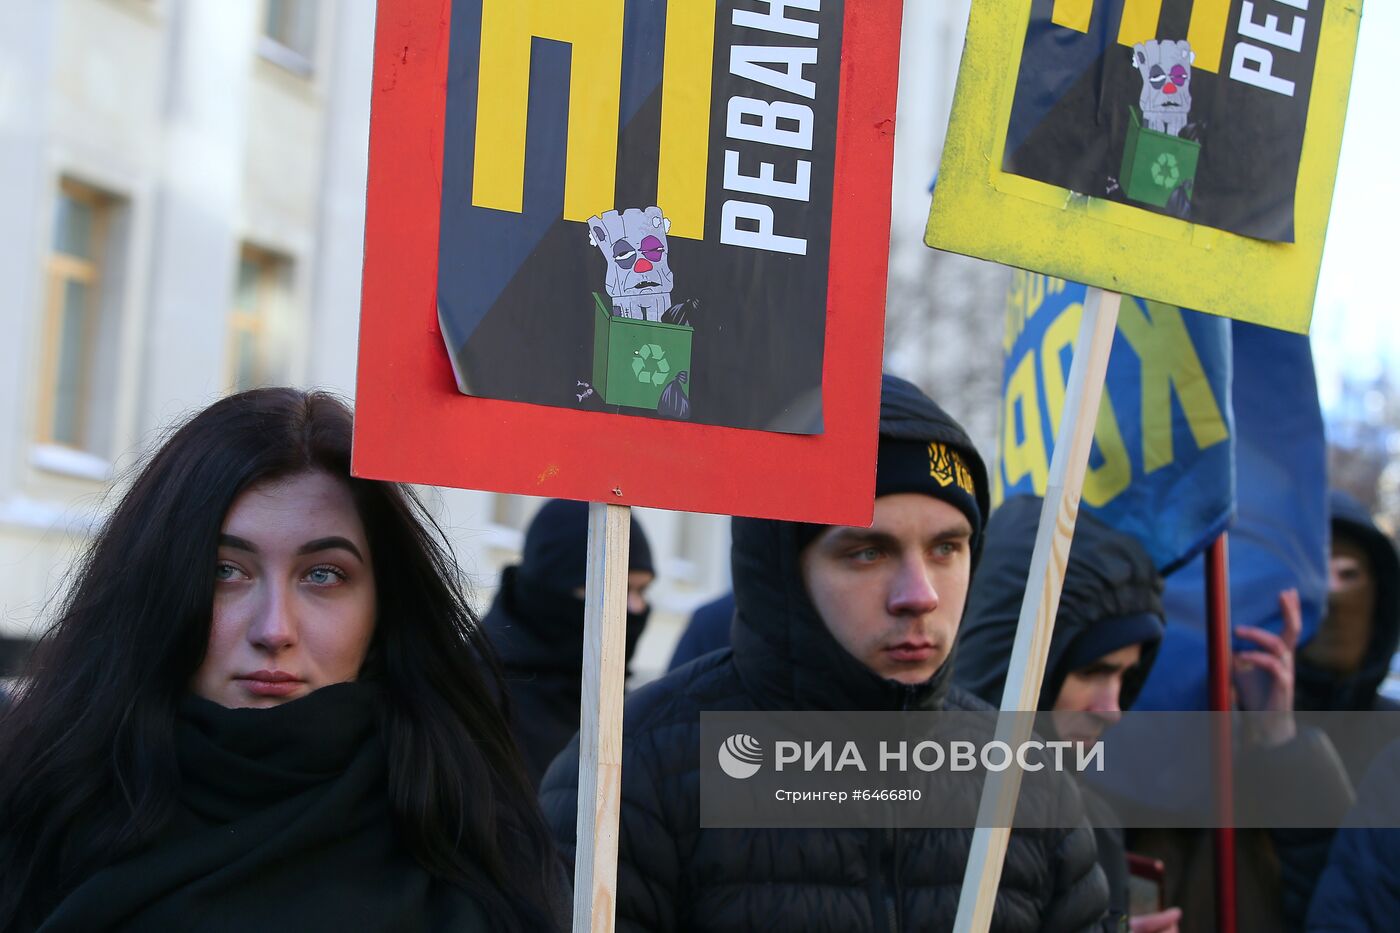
(1110, 578)
(783, 652)
(1319, 689)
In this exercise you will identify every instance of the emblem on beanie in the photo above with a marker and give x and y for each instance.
(947, 467)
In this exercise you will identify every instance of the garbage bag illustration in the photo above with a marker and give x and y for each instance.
(674, 402)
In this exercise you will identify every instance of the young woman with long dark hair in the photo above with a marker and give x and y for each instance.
(265, 702)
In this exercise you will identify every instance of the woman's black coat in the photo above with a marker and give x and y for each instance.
(282, 822)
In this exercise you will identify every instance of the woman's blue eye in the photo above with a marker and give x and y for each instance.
(324, 576)
(224, 571)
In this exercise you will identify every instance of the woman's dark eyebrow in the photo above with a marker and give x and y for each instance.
(331, 543)
(237, 543)
(310, 547)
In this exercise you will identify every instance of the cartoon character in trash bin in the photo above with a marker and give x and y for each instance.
(634, 244)
(1162, 149)
(638, 285)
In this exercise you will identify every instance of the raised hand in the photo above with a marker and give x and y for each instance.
(1274, 658)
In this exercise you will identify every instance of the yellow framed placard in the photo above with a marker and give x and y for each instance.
(1205, 247)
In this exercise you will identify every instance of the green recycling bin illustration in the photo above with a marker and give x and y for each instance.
(1155, 165)
(634, 361)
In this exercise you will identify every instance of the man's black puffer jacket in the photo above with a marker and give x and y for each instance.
(673, 876)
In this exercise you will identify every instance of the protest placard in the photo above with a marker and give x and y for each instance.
(1183, 152)
(631, 253)
(745, 148)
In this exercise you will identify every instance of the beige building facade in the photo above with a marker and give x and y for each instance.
(183, 215)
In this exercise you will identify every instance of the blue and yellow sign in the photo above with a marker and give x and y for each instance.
(1162, 465)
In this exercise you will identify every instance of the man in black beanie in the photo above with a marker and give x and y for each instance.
(830, 618)
(536, 626)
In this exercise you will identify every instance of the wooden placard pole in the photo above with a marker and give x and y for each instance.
(600, 727)
(1042, 600)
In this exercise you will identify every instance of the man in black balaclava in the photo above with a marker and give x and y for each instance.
(536, 626)
(832, 618)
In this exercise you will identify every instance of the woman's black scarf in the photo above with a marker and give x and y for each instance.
(283, 822)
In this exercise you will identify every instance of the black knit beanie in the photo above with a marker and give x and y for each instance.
(935, 469)
(923, 450)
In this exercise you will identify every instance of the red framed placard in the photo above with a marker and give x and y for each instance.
(412, 423)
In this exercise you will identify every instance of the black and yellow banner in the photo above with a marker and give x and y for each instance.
(636, 205)
(1183, 151)
(1191, 108)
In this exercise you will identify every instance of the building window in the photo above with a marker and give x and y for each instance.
(260, 300)
(72, 302)
(289, 33)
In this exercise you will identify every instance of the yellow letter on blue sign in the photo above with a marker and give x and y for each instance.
(1105, 482)
(1026, 458)
(1169, 361)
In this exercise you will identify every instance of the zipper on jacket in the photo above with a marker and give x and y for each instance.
(889, 846)
(889, 856)
(883, 910)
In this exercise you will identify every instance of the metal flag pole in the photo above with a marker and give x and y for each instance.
(1218, 639)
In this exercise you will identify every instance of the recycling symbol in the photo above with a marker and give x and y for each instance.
(1165, 172)
(650, 366)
